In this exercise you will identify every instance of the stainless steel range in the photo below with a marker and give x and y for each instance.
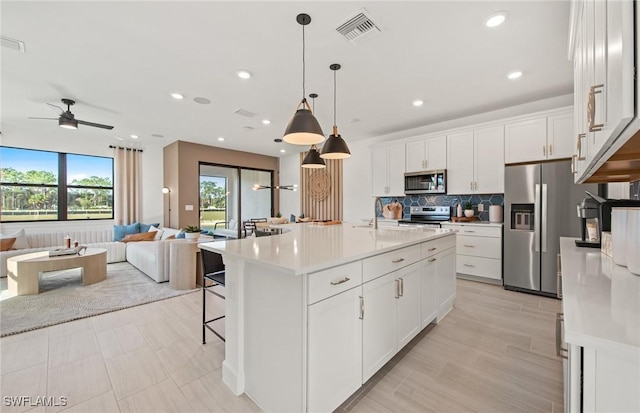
(427, 216)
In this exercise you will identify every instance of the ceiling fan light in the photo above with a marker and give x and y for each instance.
(313, 159)
(68, 123)
(303, 129)
(335, 148)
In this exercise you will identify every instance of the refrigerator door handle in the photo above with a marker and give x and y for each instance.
(544, 218)
(536, 220)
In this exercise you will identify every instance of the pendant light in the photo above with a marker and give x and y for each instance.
(303, 128)
(335, 147)
(313, 159)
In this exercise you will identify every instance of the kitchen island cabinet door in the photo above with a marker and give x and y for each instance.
(409, 306)
(460, 163)
(334, 350)
(379, 323)
(429, 304)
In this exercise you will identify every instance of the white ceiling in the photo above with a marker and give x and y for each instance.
(121, 60)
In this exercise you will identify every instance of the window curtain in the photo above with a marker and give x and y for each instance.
(127, 185)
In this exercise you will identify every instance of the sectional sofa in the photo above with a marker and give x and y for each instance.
(150, 257)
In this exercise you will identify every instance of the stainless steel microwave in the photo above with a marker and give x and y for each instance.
(426, 182)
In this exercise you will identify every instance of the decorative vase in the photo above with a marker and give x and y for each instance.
(468, 213)
(192, 235)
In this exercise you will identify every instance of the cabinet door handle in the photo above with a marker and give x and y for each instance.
(591, 108)
(401, 287)
(580, 156)
(397, 281)
(361, 308)
(398, 260)
(559, 277)
(550, 150)
(544, 150)
(471, 185)
(475, 185)
(560, 351)
(469, 246)
(466, 230)
(340, 281)
(574, 169)
(431, 259)
(469, 265)
(432, 249)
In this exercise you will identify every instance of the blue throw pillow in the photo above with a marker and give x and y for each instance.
(180, 234)
(121, 231)
(145, 227)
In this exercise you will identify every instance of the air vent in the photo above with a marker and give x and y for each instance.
(246, 113)
(359, 28)
(13, 44)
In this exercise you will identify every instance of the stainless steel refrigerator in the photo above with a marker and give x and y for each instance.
(539, 207)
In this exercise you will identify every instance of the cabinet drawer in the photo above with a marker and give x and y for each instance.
(323, 284)
(475, 230)
(381, 264)
(481, 267)
(486, 247)
(437, 245)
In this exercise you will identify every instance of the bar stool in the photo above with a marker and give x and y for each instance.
(213, 271)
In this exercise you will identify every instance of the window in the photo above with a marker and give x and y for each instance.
(50, 186)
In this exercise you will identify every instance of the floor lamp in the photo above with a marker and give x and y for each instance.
(167, 191)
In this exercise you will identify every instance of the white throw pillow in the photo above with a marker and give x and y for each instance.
(167, 232)
(233, 224)
(21, 239)
(158, 232)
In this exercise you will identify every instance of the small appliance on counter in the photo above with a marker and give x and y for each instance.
(589, 227)
(595, 225)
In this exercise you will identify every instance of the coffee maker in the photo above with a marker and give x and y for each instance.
(589, 223)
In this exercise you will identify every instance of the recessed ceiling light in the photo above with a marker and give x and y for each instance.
(514, 75)
(177, 96)
(282, 151)
(134, 136)
(266, 122)
(201, 100)
(496, 19)
(220, 138)
(418, 102)
(243, 74)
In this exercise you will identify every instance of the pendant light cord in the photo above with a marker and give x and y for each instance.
(303, 66)
(334, 98)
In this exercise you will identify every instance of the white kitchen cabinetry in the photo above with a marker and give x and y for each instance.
(438, 279)
(539, 139)
(475, 163)
(478, 250)
(387, 170)
(426, 154)
(335, 350)
(391, 318)
(603, 47)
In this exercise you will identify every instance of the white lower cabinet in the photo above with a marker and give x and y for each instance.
(445, 281)
(479, 250)
(334, 350)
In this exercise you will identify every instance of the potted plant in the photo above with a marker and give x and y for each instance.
(468, 210)
(278, 219)
(191, 232)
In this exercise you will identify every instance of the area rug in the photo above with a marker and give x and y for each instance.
(63, 298)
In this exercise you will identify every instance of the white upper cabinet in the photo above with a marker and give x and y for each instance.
(476, 161)
(426, 154)
(387, 173)
(539, 139)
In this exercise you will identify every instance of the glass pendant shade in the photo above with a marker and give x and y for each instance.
(313, 159)
(303, 129)
(335, 147)
(67, 123)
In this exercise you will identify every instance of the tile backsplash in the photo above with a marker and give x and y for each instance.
(444, 200)
(634, 190)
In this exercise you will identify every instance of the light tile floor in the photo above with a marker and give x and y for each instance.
(494, 352)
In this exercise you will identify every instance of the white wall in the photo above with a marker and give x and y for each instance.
(290, 175)
(62, 140)
(358, 202)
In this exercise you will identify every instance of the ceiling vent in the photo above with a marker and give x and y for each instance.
(359, 28)
(12, 44)
(246, 113)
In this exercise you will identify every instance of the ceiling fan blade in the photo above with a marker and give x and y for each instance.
(95, 125)
(56, 106)
(43, 118)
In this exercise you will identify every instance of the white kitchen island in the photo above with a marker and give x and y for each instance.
(313, 313)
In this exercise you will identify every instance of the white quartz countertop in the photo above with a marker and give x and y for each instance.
(601, 300)
(475, 224)
(309, 247)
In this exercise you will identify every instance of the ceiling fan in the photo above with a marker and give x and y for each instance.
(68, 120)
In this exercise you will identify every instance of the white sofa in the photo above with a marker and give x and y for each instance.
(150, 257)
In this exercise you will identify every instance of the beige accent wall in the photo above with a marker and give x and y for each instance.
(329, 208)
(182, 170)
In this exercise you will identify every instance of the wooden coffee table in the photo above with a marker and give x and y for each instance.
(23, 271)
